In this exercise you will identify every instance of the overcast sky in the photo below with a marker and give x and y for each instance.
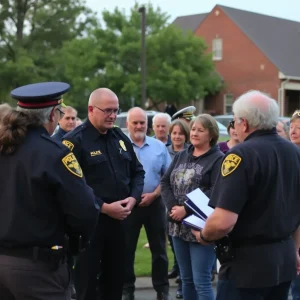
(287, 9)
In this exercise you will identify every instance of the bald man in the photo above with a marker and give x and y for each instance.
(112, 169)
(255, 224)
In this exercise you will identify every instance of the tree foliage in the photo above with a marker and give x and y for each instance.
(32, 33)
(55, 40)
(178, 68)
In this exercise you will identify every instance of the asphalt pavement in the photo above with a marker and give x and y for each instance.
(144, 290)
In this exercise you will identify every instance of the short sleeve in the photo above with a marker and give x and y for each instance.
(231, 189)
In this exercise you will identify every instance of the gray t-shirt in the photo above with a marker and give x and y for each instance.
(185, 174)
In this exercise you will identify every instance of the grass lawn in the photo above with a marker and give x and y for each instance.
(142, 264)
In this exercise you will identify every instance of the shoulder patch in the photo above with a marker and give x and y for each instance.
(230, 164)
(68, 144)
(72, 165)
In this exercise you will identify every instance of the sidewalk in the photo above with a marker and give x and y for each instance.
(143, 283)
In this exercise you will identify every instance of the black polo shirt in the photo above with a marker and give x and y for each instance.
(259, 181)
(108, 162)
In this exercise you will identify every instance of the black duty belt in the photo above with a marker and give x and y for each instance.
(257, 242)
(53, 258)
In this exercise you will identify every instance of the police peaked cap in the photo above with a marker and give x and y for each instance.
(186, 113)
(40, 95)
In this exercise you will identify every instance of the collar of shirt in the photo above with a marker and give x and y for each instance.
(93, 132)
(147, 141)
(61, 131)
(168, 143)
(261, 132)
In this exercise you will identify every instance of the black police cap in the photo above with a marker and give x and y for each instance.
(40, 95)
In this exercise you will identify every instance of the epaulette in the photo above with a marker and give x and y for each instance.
(53, 141)
(75, 130)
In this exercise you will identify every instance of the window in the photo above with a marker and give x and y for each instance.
(228, 102)
(217, 49)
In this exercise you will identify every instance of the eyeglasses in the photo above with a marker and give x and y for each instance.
(61, 113)
(296, 113)
(231, 124)
(109, 111)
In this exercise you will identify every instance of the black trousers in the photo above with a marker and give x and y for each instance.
(153, 218)
(278, 292)
(23, 279)
(99, 270)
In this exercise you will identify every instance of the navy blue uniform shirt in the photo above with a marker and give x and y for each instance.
(43, 194)
(259, 180)
(59, 135)
(108, 161)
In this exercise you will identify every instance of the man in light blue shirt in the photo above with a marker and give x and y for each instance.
(151, 212)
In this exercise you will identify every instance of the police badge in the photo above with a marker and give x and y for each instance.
(122, 144)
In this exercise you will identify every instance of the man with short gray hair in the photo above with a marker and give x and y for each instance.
(66, 123)
(256, 200)
(161, 124)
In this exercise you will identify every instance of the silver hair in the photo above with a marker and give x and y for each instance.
(261, 111)
(162, 115)
(42, 114)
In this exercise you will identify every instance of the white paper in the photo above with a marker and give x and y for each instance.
(197, 195)
(197, 222)
(201, 201)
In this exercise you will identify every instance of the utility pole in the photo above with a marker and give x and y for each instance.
(142, 11)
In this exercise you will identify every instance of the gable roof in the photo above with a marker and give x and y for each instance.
(191, 22)
(278, 39)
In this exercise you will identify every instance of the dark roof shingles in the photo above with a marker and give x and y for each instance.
(278, 39)
(191, 22)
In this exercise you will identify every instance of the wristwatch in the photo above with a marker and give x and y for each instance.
(204, 239)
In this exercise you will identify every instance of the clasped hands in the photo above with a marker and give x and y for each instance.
(177, 213)
(119, 210)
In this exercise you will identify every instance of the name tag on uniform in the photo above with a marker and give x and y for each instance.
(95, 153)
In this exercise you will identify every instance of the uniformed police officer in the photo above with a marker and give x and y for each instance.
(111, 167)
(257, 203)
(43, 196)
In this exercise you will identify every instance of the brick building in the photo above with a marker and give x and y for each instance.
(251, 51)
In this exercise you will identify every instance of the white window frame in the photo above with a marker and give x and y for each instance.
(226, 104)
(217, 49)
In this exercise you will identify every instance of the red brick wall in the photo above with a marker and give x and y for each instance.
(243, 66)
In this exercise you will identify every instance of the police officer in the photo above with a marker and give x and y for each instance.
(43, 196)
(66, 123)
(111, 167)
(256, 200)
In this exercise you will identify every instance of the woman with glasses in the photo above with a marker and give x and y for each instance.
(194, 167)
(225, 146)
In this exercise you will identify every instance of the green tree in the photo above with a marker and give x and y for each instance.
(32, 32)
(178, 68)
